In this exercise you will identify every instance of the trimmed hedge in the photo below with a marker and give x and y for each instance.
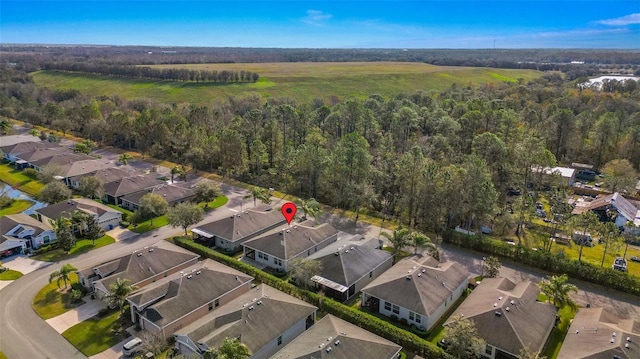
(554, 263)
(362, 319)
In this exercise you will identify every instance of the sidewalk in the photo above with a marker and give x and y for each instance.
(74, 316)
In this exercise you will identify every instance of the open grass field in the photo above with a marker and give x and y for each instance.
(302, 81)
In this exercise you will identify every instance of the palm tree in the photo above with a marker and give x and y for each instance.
(398, 239)
(259, 193)
(229, 349)
(118, 293)
(310, 207)
(125, 158)
(64, 234)
(79, 218)
(5, 125)
(62, 275)
(421, 241)
(175, 170)
(557, 289)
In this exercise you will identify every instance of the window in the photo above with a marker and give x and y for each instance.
(46, 239)
(370, 274)
(277, 261)
(217, 303)
(280, 340)
(210, 306)
(387, 306)
(418, 318)
(411, 316)
(396, 309)
(488, 350)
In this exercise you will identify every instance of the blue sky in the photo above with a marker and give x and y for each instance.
(326, 24)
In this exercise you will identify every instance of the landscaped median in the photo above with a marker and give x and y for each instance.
(52, 301)
(408, 340)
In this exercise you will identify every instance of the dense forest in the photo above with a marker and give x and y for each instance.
(431, 159)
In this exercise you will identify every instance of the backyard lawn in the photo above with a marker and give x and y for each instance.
(10, 275)
(558, 333)
(81, 246)
(161, 221)
(18, 180)
(18, 206)
(95, 335)
(51, 301)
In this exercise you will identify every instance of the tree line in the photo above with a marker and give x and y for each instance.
(148, 73)
(433, 160)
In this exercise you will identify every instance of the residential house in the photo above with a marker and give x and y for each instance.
(172, 194)
(257, 318)
(11, 140)
(104, 175)
(350, 268)
(596, 333)
(141, 267)
(508, 316)
(107, 217)
(60, 159)
(115, 190)
(180, 299)
(417, 290)
(24, 160)
(21, 231)
(231, 232)
(612, 206)
(566, 174)
(334, 338)
(11, 151)
(277, 248)
(81, 167)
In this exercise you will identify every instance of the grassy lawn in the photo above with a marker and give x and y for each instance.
(558, 333)
(147, 226)
(51, 302)
(81, 246)
(18, 206)
(2, 356)
(94, 335)
(120, 209)
(10, 275)
(218, 202)
(18, 180)
(301, 81)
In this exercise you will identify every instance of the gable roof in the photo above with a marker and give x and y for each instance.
(591, 333)
(181, 293)
(140, 265)
(131, 184)
(353, 342)
(11, 140)
(23, 147)
(169, 192)
(508, 315)
(85, 166)
(430, 283)
(108, 175)
(347, 266)
(255, 317)
(42, 153)
(616, 200)
(290, 241)
(9, 222)
(62, 160)
(66, 208)
(241, 226)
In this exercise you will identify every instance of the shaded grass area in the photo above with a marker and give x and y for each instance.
(218, 202)
(18, 206)
(51, 302)
(150, 224)
(81, 246)
(558, 333)
(18, 180)
(10, 274)
(95, 335)
(300, 81)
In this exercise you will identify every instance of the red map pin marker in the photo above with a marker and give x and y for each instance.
(289, 211)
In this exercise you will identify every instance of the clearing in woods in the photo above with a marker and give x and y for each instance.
(302, 81)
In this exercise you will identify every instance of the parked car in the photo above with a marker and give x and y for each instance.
(132, 346)
(634, 259)
(620, 264)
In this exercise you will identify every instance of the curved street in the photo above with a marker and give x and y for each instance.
(23, 334)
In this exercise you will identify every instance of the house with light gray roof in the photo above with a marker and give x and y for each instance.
(417, 290)
(20, 231)
(508, 316)
(334, 338)
(106, 217)
(180, 299)
(257, 318)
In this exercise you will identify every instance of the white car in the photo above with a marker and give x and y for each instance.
(132, 346)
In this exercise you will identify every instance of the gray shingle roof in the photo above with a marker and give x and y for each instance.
(242, 226)
(256, 317)
(142, 264)
(108, 175)
(42, 153)
(170, 193)
(11, 140)
(85, 166)
(424, 292)
(181, 295)
(23, 147)
(289, 241)
(67, 208)
(353, 342)
(8, 222)
(350, 264)
(527, 322)
(591, 332)
(131, 184)
(62, 160)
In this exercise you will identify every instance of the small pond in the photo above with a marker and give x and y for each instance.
(17, 194)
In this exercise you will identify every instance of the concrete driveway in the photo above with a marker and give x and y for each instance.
(23, 264)
(66, 320)
(120, 234)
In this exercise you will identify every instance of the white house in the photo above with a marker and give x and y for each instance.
(417, 290)
(107, 217)
(20, 231)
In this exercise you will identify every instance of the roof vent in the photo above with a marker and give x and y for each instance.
(329, 350)
(150, 249)
(321, 345)
(337, 342)
(423, 270)
(495, 305)
(419, 274)
(346, 251)
(329, 339)
(498, 313)
(139, 254)
(288, 231)
(408, 277)
(629, 339)
(507, 309)
(198, 272)
(251, 307)
(499, 298)
(189, 276)
(259, 302)
(613, 340)
(352, 248)
(626, 345)
(613, 334)
(512, 302)
(295, 227)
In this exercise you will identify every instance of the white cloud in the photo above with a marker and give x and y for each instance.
(316, 17)
(622, 21)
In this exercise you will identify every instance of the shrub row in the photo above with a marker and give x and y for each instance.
(555, 263)
(44, 249)
(362, 319)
